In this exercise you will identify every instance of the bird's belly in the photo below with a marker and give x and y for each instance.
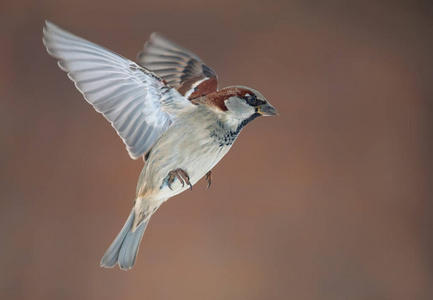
(195, 154)
(196, 164)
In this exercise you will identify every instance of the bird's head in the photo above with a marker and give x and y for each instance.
(240, 104)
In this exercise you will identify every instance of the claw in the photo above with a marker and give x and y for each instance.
(185, 177)
(179, 174)
(170, 178)
(209, 178)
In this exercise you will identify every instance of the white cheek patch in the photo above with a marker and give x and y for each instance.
(238, 110)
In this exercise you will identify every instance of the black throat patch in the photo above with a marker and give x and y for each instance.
(226, 137)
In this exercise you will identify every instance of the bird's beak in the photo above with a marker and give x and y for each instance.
(267, 110)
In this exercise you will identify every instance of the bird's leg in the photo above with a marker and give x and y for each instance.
(179, 174)
(170, 178)
(209, 178)
(185, 177)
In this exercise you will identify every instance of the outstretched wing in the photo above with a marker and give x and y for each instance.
(138, 104)
(181, 68)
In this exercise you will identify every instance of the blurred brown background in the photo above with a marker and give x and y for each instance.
(330, 200)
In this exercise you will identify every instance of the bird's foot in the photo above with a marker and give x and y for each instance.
(179, 174)
(209, 178)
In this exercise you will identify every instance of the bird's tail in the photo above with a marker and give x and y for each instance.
(124, 249)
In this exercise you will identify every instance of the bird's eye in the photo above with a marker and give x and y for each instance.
(251, 99)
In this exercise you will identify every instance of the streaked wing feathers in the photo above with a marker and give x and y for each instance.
(181, 68)
(137, 103)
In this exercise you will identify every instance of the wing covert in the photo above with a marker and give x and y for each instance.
(181, 68)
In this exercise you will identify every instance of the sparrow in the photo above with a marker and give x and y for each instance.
(167, 109)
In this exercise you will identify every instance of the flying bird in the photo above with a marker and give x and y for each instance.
(167, 109)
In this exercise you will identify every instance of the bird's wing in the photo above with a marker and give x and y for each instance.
(137, 103)
(181, 68)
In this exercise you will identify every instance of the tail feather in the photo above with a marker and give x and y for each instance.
(125, 247)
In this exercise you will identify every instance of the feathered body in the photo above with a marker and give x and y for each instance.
(203, 135)
(175, 118)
